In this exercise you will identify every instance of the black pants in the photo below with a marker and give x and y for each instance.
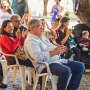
(11, 61)
(71, 51)
(77, 56)
(1, 72)
(68, 54)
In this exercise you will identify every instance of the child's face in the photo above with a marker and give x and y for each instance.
(85, 36)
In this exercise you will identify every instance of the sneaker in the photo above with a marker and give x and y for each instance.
(2, 85)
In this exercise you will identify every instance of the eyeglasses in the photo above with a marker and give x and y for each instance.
(17, 21)
(37, 26)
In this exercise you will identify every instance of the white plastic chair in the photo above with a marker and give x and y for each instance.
(35, 75)
(54, 81)
(15, 67)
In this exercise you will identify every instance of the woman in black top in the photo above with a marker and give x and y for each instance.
(63, 38)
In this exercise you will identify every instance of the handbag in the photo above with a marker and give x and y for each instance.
(20, 53)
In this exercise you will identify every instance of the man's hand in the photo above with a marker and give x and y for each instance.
(60, 49)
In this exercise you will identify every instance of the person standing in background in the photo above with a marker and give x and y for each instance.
(20, 7)
(5, 11)
(56, 11)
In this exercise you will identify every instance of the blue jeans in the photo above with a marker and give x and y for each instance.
(64, 71)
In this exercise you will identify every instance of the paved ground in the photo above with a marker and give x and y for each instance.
(85, 83)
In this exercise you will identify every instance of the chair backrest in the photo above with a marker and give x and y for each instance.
(36, 61)
(11, 55)
(40, 62)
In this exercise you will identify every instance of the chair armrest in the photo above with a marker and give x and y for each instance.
(46, 65)
(11, 55)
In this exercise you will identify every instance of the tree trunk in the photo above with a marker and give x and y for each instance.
(83, 11)
(45, 7)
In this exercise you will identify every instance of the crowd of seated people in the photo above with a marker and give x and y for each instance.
(73, 42)
(9, 43)
(51, 48)
(40, 48)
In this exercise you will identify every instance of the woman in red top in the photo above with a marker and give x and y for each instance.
(9, 44)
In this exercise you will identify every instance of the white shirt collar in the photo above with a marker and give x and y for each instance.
(32, 35)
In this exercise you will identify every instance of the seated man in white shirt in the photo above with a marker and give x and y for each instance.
(43, 50)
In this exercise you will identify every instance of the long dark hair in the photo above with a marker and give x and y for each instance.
(63, 20)
(4, 25)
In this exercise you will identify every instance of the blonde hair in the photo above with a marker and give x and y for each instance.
(85, 32)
